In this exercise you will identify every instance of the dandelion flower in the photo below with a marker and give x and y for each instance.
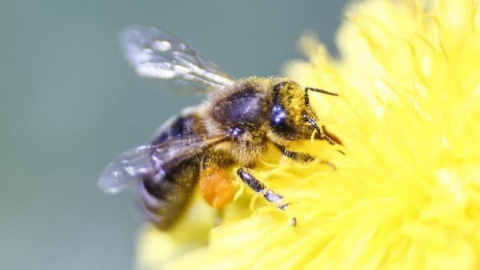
(406, 192)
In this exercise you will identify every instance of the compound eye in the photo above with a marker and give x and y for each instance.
(280, 124)
(278, 116)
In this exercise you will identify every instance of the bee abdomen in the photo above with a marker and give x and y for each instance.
(187, 124)
(165, 200)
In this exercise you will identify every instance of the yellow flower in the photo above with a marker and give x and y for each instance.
(406, 194)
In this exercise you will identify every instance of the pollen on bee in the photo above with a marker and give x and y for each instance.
(215, 186)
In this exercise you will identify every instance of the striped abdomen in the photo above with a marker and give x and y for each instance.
(165, 200)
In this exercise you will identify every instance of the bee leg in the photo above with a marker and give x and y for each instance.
(320, 130)
(259, 187)
(296, 156)
(270, 195)
(301, 157)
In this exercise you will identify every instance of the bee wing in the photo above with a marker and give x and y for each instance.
(152, 160)
(157, 54)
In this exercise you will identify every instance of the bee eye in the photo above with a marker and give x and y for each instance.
(280, 124)
(278, 115)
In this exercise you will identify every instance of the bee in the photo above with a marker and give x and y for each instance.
(233, 126)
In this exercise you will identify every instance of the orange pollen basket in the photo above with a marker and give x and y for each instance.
(215, 186)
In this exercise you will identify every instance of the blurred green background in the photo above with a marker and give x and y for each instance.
(70, 103)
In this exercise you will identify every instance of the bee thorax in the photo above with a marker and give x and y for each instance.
(242, 108)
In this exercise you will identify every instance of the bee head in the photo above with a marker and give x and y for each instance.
(291, 116)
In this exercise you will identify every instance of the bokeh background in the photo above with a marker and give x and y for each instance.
(69, 103)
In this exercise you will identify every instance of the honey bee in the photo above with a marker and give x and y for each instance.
(233, 126)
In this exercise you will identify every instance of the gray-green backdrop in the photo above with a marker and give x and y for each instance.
(69, 103)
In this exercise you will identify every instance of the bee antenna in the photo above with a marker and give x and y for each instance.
(310, 119)
(320, 91)
(307, 100)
